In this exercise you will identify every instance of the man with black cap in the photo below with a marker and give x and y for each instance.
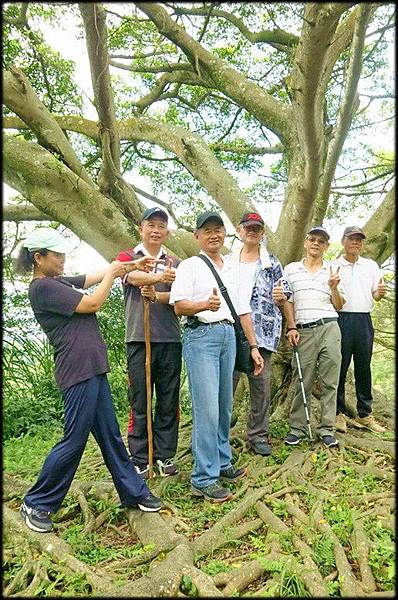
(312, 327)
(165, 348)
(260, 283)
(209, 350)
(363, 283)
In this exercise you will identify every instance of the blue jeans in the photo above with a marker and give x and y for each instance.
(209, 353)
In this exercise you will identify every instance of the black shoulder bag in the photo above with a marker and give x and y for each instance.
(243, 361)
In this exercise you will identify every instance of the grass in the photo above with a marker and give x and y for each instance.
(24, 456)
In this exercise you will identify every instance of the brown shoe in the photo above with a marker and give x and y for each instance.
(341, 424)
(369, 422)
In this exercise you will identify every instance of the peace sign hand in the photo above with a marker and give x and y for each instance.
(334, 278)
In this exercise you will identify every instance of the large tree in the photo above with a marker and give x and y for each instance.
(212, 89)
(221, 106)
(207, 93)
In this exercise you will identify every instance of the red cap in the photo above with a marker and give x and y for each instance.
(251, 218)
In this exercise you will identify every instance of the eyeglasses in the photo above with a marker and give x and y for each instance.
(312, 239)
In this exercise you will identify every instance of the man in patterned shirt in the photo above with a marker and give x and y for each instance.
(259, 277)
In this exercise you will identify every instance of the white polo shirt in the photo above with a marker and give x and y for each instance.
(195, 282)
(359, 279)
(311, 292)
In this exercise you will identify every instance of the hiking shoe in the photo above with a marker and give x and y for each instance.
(143, 472)
(213, 492)
(330, 440)
(261, 447)
(368, 422)
(292, 439)
(341, 423)
(36, 519)
(150, 503)
(166, 467)
(232, 474)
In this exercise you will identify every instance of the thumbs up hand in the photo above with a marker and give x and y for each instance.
(214, 301)
(334, 278)
(277, 293)
(169, 274)
(381, 290)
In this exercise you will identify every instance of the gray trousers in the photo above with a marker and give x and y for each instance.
(319, 349)
(260, 397)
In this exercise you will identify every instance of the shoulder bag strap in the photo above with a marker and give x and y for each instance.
(223, 291)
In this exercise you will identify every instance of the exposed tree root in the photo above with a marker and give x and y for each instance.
(279, 494)
(239, 579)
(350, 586)
(217, 536)
(360, 545)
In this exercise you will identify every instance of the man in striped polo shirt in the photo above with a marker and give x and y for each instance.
(312, 327)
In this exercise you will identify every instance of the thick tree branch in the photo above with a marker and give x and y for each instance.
(23, 212)
(193, 153)
(110, 181)
(320, 23)
(380, 230)
(20, 97)
(58, 192)
(346, 113)
(272, 113)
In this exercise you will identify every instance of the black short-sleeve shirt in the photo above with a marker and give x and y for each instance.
(79, 350)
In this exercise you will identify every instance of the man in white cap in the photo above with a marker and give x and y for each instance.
(312, 327)
(363, 283)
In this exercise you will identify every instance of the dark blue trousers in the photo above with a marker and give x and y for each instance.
(88, 407)
(356, 342)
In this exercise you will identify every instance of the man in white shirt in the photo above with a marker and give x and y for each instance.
(363, 284)
(209, 350)
(312, 327)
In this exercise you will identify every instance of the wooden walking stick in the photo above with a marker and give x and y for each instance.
(147, 336)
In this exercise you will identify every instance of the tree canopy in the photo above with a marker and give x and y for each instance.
(221, 105)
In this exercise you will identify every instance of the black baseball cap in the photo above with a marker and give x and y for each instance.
(348, 231)
(151, 212)
(252, 218)
(208, 216)
(319, 229)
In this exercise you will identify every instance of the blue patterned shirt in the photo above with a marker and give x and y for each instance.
(266, 315)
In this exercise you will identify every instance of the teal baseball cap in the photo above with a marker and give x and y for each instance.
(46, 238)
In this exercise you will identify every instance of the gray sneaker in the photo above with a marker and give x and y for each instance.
(233, 474)
(35, 519)
(213, 492)
(261, 447)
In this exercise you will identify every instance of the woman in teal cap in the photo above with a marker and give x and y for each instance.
(67, 316)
